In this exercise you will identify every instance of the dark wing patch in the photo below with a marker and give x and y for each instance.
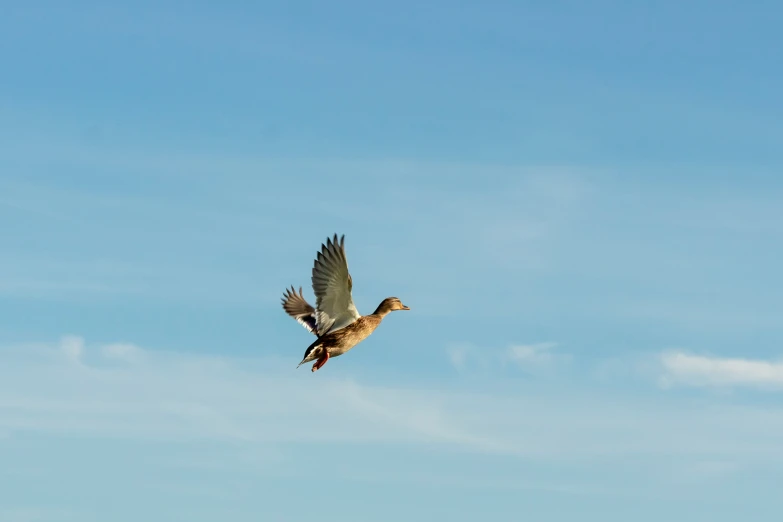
(297, 307)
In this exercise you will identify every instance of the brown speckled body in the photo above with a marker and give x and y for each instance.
(340, 341)
(336, 343)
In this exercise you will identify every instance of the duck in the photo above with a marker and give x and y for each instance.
(335, 321)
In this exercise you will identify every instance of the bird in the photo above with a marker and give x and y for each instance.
(334, 320)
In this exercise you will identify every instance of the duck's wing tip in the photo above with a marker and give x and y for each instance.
(297, 307)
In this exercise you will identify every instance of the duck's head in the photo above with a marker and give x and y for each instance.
(390, 304)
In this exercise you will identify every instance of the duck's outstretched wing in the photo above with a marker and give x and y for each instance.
(334, 308)
(297, 307)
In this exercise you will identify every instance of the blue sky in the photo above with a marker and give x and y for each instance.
(581, 204)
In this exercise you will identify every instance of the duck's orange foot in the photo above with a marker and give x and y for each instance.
(320, 362)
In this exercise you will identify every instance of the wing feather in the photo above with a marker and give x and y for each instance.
(297, 307)
(332, 284)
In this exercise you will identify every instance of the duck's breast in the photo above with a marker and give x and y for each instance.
(353, 334)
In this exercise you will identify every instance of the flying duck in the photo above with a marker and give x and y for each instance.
(335, 321)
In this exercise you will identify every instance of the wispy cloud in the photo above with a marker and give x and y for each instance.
(458, 355)
(529, 356)
(535, 354)
(73, 347)
(122, 351)
(121, 391)
(508, 234)
(696, 370)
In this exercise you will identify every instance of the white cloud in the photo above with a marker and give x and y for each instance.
(73, 347)
(174, 395)
(263, 401)
(122, 351)
(696, 370)
(457, 356)
(535, 354)
(539, 355)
